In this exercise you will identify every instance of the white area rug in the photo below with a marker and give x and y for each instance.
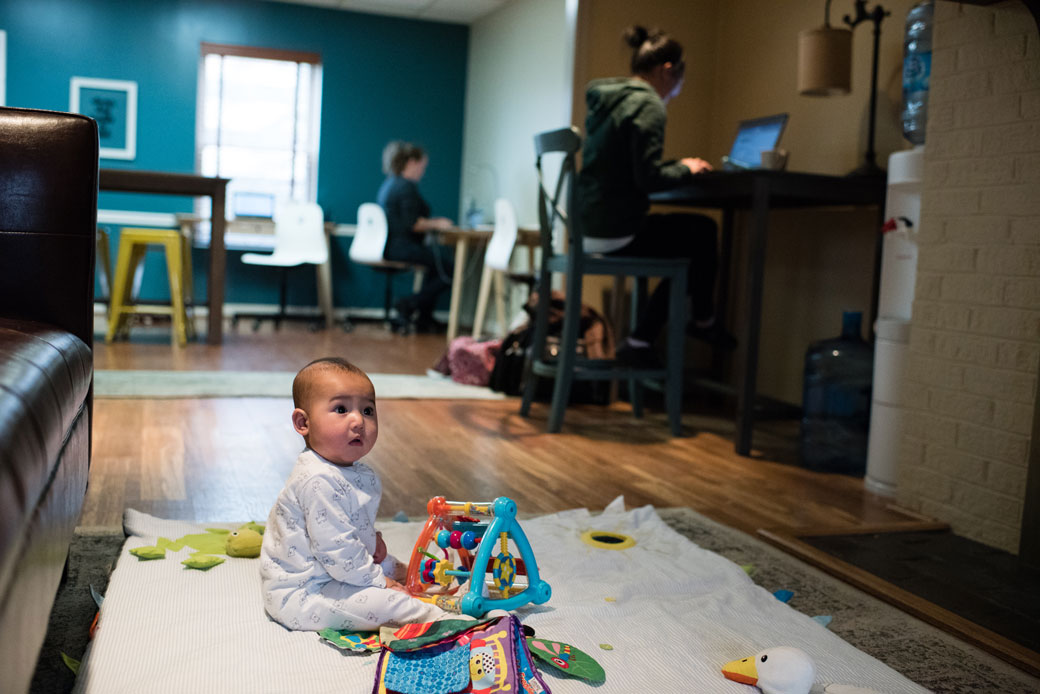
(272, 384)
(671, 613)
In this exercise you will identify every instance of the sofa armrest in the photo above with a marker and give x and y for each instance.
(48, 218)
(48, 224)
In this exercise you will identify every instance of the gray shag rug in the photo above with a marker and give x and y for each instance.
(92, 556)
(930, 657)
(919, 651)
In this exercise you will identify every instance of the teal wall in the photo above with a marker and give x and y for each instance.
(383, 78)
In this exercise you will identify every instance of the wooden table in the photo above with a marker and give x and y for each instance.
(127, 180)
(461, 239)
(759, 192)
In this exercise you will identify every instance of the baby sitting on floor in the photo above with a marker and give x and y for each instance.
(323, 564)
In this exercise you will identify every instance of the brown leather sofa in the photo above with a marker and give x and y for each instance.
(48, 217)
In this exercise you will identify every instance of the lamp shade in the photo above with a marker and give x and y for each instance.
(824, 61)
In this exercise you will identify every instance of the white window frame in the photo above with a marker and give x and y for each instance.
(310, 184)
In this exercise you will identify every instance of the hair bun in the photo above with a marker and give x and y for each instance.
(636, 36)
(390, 153)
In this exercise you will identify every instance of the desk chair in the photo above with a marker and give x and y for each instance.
(567, 367)
(299, 239)
(496, 266)
(368, 246)
(133, 243)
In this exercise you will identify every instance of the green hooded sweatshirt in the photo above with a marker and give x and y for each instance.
(621, 159)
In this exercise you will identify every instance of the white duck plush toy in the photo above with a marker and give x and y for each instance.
(778, 670)
(784, 670)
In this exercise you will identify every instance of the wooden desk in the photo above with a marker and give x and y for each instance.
(461, 238)
(759, 192)
(186, 184)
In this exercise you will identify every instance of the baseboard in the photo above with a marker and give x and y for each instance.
(201, 312)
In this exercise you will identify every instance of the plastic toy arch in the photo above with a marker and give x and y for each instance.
(462, 559)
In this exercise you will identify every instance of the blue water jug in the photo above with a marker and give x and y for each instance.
(836, 401)
(917, 69)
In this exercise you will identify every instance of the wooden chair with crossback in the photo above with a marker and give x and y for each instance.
(554, 208)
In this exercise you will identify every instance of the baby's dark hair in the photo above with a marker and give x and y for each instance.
(398, 153)
(303, 384)
(652, 48)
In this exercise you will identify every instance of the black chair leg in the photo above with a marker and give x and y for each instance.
(283, 294)
(541, 325)
(676, 340)
(388, 296)
(635, 386)
(281, 316)
(565, 360)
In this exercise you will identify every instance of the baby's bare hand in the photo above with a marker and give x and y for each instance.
(394, 585)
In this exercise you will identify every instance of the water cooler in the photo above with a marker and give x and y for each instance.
(892, 331)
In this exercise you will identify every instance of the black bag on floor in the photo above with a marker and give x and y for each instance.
(595, 342)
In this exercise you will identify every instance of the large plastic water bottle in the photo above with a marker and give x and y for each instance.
(917, 68)
(836, 400)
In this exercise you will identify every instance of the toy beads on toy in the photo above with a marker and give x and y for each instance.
(457, 539)
(455, 529)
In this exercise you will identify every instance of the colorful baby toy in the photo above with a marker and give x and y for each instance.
(465, 534)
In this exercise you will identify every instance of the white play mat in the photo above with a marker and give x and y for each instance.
(670, 613)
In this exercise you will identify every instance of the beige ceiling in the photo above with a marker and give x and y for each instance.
(457, 11)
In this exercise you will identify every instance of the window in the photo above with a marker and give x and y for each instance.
(258, 125)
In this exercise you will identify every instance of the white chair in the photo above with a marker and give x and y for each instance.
(496, 266)
(368, 246)
(299, 239)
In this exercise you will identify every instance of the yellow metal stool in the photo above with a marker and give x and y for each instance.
(133, 242)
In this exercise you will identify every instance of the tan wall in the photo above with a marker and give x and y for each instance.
(601, 52)
(757, 75)
(742, 63)
(975, 336)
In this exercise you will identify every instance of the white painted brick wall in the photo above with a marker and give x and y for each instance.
(975, 339)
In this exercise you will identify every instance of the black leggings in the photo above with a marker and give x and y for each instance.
(438, 264)
(691, 236)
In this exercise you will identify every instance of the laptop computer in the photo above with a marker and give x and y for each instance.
(754, 136)
(249, 205)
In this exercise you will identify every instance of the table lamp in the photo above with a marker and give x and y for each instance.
(825, 67)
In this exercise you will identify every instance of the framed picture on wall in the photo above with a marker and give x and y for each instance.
(113, 104)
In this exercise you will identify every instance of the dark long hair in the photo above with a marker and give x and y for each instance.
(652, 48)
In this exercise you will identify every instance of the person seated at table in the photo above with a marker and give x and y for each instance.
(408, 221)
(621, 166)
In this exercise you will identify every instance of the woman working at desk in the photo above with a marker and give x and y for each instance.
(408, 219)
(621, 166)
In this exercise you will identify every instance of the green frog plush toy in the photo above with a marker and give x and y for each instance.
(243, 542)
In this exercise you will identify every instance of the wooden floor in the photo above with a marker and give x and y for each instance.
(226, 459)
